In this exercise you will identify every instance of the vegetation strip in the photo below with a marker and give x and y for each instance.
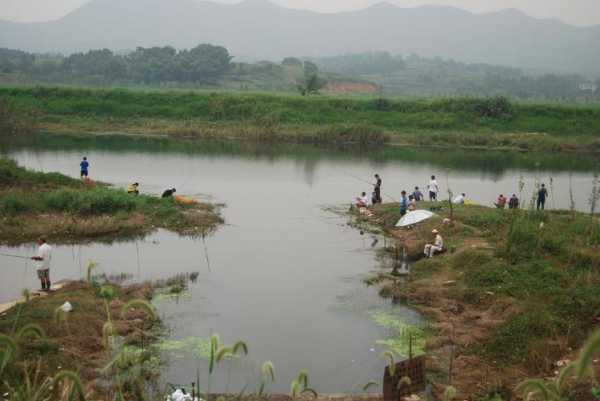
(469, 122)
(63, 209)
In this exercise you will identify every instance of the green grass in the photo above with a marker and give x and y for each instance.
(73, 209)
(546, 265)
(481, 122)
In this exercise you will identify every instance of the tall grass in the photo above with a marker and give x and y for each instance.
(273, 111)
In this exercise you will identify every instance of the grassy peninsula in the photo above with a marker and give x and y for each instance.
(515, 292)
(68, 210)
(456, 122)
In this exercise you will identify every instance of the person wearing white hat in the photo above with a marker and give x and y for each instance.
(437, 246)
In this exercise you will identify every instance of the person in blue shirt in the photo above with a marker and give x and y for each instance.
(403, 203)
(84, 167)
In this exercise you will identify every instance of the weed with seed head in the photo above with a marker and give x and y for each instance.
(90, 267)
(267, 372)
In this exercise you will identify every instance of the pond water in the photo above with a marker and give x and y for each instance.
(283, 274)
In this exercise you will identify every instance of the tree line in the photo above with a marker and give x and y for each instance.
(204, 63)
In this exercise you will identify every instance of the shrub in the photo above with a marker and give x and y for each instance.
(13, 204)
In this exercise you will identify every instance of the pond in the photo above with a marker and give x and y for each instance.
(284, 273)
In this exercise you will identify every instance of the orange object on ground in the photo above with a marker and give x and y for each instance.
(185, 200)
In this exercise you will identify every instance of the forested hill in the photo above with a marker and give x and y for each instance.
(257, 29)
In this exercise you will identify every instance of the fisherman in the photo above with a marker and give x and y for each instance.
(403, 203)
(412, 203)
(513, 203)
(437, 246)
(133, 188)
(43, 258)
(500, 202)
(417, 194)
(362, 201)
(377, 186)
(168, 193)
(84, 165)
(433, 189)
(541, 197)
(459, 199)
(374, 198)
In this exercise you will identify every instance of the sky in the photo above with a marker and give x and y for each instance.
(575, 12)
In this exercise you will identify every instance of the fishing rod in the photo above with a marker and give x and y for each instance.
(15, 256)
(370, 183)
(206, 252)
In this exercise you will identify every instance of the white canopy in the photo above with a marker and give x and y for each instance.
(414, 217)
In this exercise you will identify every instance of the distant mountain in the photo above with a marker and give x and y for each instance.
(257, 29)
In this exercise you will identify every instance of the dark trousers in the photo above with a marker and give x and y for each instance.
(541, 203)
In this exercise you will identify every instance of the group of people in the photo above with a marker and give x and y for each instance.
(407, 201)
(132, 188)
(514, 203)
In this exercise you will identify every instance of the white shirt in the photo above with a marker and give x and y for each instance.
(433, 186)
(459, 199)
(364, 200)
(44, 252)
(439, 242)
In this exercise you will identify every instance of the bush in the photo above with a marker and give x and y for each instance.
(12, 205)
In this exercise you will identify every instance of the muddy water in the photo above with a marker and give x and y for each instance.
(284, 274)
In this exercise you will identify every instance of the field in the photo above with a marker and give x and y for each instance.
(456, 122)
(34, 204)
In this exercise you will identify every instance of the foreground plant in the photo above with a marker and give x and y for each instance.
(299, 386)
(557, 388)
(267, 372)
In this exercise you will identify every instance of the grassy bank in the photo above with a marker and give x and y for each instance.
(96, 351)
(471, 122)
(65, 209)
(515, 292)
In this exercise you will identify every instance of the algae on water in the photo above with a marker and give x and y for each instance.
(199, 346)
(399, 341)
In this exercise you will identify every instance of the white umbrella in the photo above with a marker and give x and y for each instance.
(414, 217)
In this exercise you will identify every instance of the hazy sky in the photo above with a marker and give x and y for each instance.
(577, 12)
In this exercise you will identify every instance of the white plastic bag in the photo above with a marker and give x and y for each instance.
(66, 307)
(179, 396)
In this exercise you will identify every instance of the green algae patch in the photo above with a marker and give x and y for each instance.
(403, 337)
(199, 346)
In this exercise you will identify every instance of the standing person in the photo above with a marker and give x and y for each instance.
(377, 186)
(403, 203)
(433, 189)
(43, 268)
(168, 193)
(84, 165)
(541, 197)
(437, 246)
(418, 195)
(513, 203)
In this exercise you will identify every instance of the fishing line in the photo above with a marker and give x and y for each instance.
(25, 273)
(137, 251)
(14, 256)
(206, 252)
(370, 183)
